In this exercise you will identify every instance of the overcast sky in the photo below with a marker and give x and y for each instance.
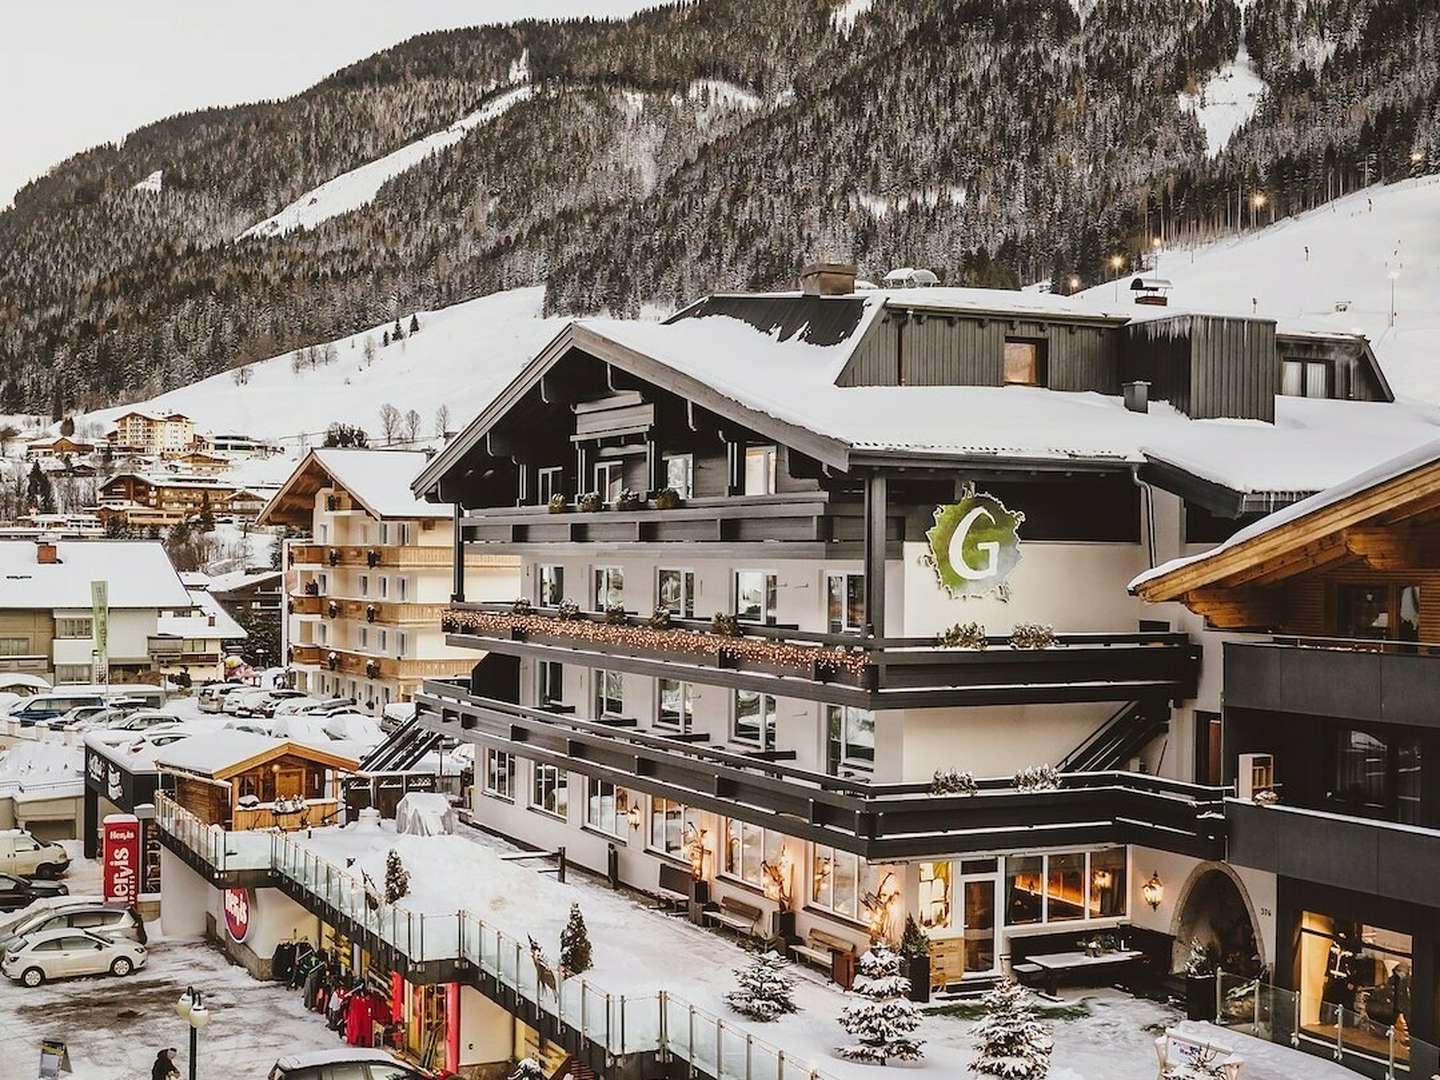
(81, 72)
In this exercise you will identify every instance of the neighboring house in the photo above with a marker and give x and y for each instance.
(47, 624)
(234, 446)
(365, 595)
(253, 599)
(196, 642)
(63, 446)
(159, 434)
(199, 463)
(823, 490)
(141, 499)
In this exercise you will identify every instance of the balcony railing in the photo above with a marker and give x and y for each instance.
(877, 820)
(620, 1025)
(875, 673)
(401, 556)
(364, 665)
(375, 611)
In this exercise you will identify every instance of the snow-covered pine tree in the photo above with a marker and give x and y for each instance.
(397, 878)
(528, 1069)
(1010, 1040)
(575, 944)
(764, 991)
(880, 1016)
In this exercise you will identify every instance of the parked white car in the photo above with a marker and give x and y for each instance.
(295, 705)
(144, 720)
(58, 954)
(301, 729)
(354, 727)
(22, 854)
(82, 916)
(211, 698)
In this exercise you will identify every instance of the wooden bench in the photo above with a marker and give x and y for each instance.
(736, 915)
(1182, 1057)
(674, 889)
(819, 947)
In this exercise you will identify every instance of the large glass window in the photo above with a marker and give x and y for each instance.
(672, 827)
(551, 690)
(549, 482)
(1024, 363)
(935, 896)
(1355, 983)
(73, 627)
(845, 602)
(609, 587)
(1066, 886)
(607, 808)
(755, 596)
(850, 738)
(1377, 775)
(1024, 889)
(677, 706)
(610, 480)
(835, 881)
(1380, 612)
(550, 789)
(680, 473)
(747, 848)
(1302, 378)
(675, 589)
(755, 718)
(760, 470)
(1108, 887)
(550, 585)
(609, 693)
(499, 774)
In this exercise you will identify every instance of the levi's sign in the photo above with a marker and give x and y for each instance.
(974, 544)
(120, 859)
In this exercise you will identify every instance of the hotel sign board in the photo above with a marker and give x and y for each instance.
(974, 544)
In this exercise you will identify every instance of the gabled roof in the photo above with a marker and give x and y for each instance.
(1307, 533)
(379, 480)
(138, 572)
(227, 753)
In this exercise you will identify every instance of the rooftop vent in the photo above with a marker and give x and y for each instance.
(828, 279)
(908, 277)
(1152, 290)
(46, 552)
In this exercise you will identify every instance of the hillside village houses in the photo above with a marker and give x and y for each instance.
(364, 595)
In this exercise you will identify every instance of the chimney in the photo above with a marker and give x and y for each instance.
(828, 279)
(46, 553)
(1137, 396)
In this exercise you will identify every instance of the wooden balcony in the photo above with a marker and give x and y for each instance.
(374, 611)
(306, 655)
(880, 821)
(845, 669)
(367, 666)
(389, 556)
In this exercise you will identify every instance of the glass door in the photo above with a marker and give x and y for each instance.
(979, 887)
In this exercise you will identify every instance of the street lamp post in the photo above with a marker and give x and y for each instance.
(191, 1009)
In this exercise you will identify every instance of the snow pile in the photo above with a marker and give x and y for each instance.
(1329, 268)
(152, 184)
(27, 763)
(1228, 99)
(358, 187)
(843, 17)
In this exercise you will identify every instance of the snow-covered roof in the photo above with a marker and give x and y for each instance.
(1311, 445)
(207, 621)
(241, 579)
(1416, 458)
(216, 752)
(138, 571)
(379, 480)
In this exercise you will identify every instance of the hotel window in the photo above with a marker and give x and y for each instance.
(755, 596)
(383, 583)
(384, 645)
(499, 774)
(754, 719)
(610, 479)
(1052, 888)
(549, 482)
(1377, 776)
(1024, 362)
(1305, 378)
(935, 896)
(835, 881)
(550, 789)
(675, 589)
(1380, 612)
(323, 629)
(322, 583)
(402, 589)
(73, 628)
(672, 826)
(552, 683)
(1362, 969)
(550, 585)
(14, 646)
(364, 584)
(676, 704)
(609, 587)
(747, 848)
(845, 602)
(609, 693)
(73, 673)
(680, 473)
(607, 808)
(1108, 888)
(402, 643)
(364, 637)
(1065, 887)
(760, 470)
(850, 738)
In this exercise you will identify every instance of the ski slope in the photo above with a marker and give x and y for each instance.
(461, 357)
(1228, 99)
(358, 187)
(1304, 270)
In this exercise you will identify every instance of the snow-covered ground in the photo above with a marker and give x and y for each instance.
(358, 187)
(637, 950)
(1228, 99)
(460, 358)
(1330, 268)
(843, 17)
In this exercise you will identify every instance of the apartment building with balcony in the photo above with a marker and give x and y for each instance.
(365, 593)
(785, 626)
(1323, 719)
(154, 433)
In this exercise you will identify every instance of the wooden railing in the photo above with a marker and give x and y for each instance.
(365, 666)
(375, 611)
(381, 556)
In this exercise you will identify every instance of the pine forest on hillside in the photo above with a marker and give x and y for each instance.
(705, 145)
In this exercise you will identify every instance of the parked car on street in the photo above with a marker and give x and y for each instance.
(57, 954)
(211, 698)
(244, 703)
(17, 892)
(22, 854)
(144, 720)
(356, 727)
(77, 716)
(90, 916)
(294, 705)
(47, 707)
(344, 1064)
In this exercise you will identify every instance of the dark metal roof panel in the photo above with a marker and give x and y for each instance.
(815, 320)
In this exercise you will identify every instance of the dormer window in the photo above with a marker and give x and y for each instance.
(1024, 362)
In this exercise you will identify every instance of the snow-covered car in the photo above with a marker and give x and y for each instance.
(212, 697)
(354, 727)
(98, 720)
(87, 916)
(153, 740)
(301, 729)
(58, 954)
(238, 703)
(292, 706)
(77, 716)
(143, 720)
(17, 892)
(273, 698)
(255, 725)
(329, 705)
(347, 1063)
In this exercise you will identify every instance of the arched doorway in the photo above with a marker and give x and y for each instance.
(1215, 910)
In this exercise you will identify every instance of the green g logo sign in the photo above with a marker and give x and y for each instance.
(975, 544)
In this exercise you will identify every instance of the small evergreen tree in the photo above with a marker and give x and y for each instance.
(528, 1069)
(764, 991)
(575, 944)
(1010, 1040)
(414, 324)
(67, 426)
(397, 878)
(913, 942)
(880, 1016)
(38, 490)
(385, 340)
(205, 522)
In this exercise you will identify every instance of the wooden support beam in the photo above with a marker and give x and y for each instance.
(1298, 561)
(1236, 609)
(1392, 547)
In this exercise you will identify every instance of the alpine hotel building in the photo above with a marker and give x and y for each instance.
(818, 589)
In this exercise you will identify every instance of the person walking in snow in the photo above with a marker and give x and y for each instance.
(164, 1067)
